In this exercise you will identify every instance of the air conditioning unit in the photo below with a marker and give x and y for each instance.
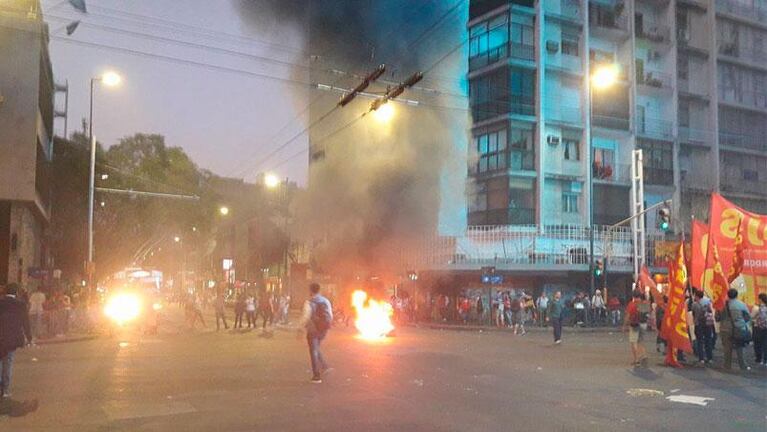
(552, 46)
(552, 140)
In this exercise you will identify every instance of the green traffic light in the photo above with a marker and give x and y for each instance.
(664, 226)
(598, 272)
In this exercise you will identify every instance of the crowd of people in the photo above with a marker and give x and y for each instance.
(248, 307)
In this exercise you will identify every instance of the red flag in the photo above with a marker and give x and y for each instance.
(718, 286)
(737, 258)
(674, 327)
(698, 246)
(645, 281)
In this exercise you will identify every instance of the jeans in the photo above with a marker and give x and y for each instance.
(220, 316)
(557, 324)
(6, 363)
(704, 342)
(760, 344)
(314, 339)
(728, 344)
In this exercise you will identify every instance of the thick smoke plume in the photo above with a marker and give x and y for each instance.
(375, 187)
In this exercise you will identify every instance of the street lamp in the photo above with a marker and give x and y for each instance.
(384, 113)
(271, 181)
(603, 77)
(109, 79)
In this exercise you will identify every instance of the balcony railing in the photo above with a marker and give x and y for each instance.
(658, 176)
(695, 135)
(518, 51)
(607, 18)
(527, 245)
(563, 9)
(565, 114)
(610, 122)
(751, 142)
(698, 87)
(654, 79)
(746, 9)
(522, 160)
(654, 33)
(748, 98)
(611, 173)
(654, 128)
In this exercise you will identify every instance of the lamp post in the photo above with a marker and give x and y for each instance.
(110, 79)
(603, 77)
(271, 181)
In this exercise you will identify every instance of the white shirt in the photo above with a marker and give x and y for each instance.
(36, 301)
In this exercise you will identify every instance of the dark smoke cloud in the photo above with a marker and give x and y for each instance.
(378, 186)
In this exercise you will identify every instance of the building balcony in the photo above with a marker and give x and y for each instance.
(658, 176)
(695, 136)
(608, 22)
(654, 80)
(694, 87)
(611, 173)
(609, 121)
(564, 63)
(749, 10)
(656, 33)
(522, 160)
(654, 128)
(747, 99)
(748, 142)
(511, 50)
(509, 216)
(564, 10)
(563, 113)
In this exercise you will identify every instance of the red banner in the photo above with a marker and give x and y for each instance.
(698, 249)
(717, 289)
(726, 222)
(674, 327)
(645, 281)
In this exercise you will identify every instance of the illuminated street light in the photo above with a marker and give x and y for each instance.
(104, 176)
(605, 76)
(384, 113)
(177, 239)
(111, 79)
(224, 210)
(271, 181)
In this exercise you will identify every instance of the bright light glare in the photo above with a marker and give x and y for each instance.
(384, 113)
(224, 211)
(177, 239)
(123, 308)
(271, 181)
(373, 317)
(157, 306)
(111, 79)
(605, 76)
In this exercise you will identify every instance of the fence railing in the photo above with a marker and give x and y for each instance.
(610, 122)
(752, 142)
(611, 173)
(654, 79)
(695, 135)
(511, 49)
(601, 17)
(654, 128)
(654, 33)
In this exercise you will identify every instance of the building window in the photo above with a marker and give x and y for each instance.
(572, 148)
(569, 202)
(523, 91)
(683, 115)
(658, 161)
(570, 44)
(491, 148)
(683, 67)
(488, 41)
(522, 150)
(750, 175)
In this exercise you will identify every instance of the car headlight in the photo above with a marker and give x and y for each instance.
(123, 307)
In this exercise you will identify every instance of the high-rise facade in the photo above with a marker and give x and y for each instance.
(26, 146)
(691, 93)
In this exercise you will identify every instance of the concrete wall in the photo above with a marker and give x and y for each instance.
(20, 45)
(27, 249)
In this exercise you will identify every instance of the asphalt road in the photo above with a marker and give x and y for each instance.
(420, 380)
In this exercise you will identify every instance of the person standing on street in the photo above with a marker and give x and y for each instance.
(316, 320)
(542, 303)
(759, 315)
(266, 310)
(14, 333)
(239, 310)
(250, 310)
(554, 314)
(734, 329)
(599, 308)
(703, 316)
(636, 323)
(37, 312)
(219, 306)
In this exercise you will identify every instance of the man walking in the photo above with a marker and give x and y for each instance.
(14, 333)
(554, 312)
(542, 303)
(220, 315)
(316, 319)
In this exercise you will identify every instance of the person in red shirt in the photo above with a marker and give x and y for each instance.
(614, 306)
(636, 324)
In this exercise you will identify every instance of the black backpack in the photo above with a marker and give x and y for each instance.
(321, 317)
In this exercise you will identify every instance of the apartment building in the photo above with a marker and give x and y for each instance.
(26, 125)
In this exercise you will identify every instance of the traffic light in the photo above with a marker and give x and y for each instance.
(599, 268)
(664, 219)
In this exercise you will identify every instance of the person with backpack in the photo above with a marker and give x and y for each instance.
(636, 323)
(703, 316)
(316, 320)
(734, 330)
(759, 315)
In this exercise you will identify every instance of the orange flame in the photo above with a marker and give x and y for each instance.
(373, 317)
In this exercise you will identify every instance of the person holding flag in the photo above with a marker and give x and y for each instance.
(674, 329)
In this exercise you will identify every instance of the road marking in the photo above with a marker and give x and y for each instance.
(694, 400)
(643, 392)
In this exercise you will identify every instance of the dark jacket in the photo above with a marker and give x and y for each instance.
(14, 325)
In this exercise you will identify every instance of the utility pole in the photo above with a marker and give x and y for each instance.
(637, 209)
